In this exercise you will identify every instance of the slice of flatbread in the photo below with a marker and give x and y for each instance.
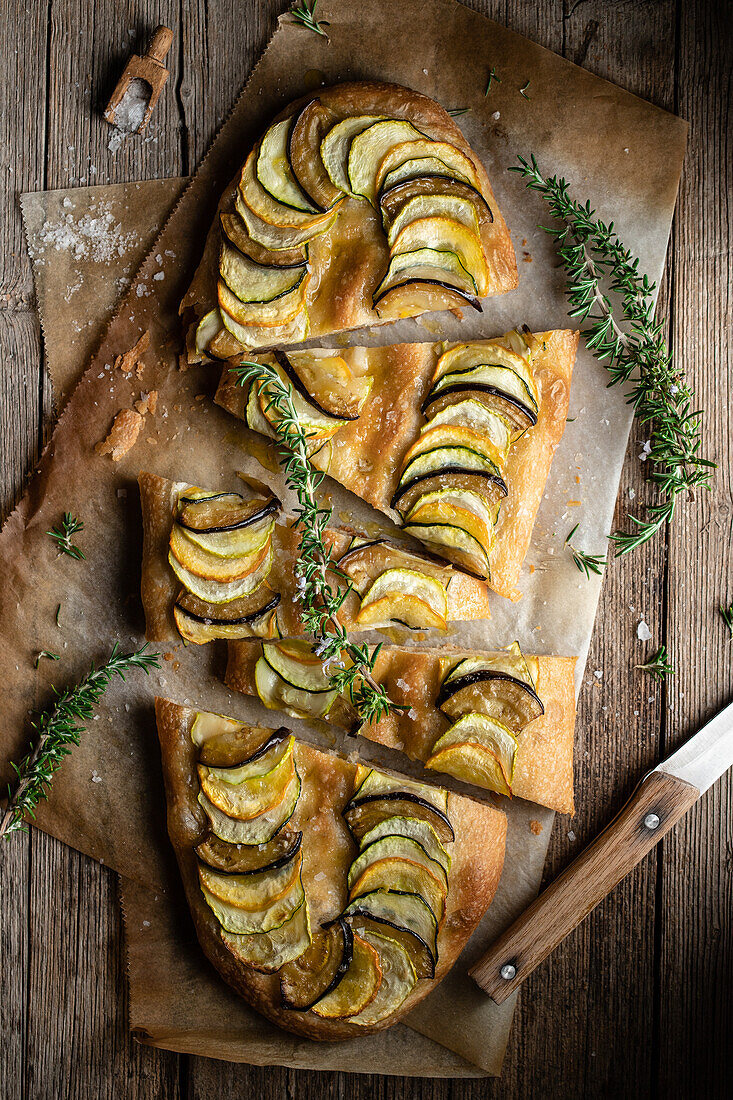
(543, 769)
(466, 596)
(327, 783)
(366, 455)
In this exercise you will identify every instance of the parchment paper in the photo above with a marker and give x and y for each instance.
(621, 153)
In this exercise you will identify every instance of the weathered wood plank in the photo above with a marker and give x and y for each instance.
(695, 1057)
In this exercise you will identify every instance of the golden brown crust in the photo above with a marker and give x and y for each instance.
(467, 595)
(349, 259)
(544, 761)
(328, 780)
(366, 455)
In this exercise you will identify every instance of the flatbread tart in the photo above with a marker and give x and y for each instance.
(452, 441)
(500, 720)
(358, 205)
(331, 897)
(220, 564)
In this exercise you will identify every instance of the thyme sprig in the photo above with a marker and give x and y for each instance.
(586, 563)
(62, 534)
(58, 729)
(305, 14)
(658, 665)
(349, 666)
(635, 355)
(727, 613)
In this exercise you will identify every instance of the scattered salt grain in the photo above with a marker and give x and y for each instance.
(159, 275)
(146, 924)
(643, 632)
(496, 116)
(598, 674)
(96, 778)
(632, 494)
(571, 835)
(645, 450)
(133, 106)
(95, 236)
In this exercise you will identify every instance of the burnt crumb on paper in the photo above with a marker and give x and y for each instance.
(132, 359)
(123, 435)
(535, 827)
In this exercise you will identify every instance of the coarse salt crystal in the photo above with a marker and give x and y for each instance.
(643, 632)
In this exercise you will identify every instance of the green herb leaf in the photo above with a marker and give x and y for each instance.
(62, 534)
(45, 653)
(586, 563)
(658, 665)
(58, 729)
(600, 270)
(492, 78)
(317, 574)
(727, 613)
(523, 90)
(305, 14)
(454, 112)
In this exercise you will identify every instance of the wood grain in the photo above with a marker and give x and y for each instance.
(656, 805)
(636, 1002)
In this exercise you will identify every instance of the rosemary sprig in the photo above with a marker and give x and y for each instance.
(45, 653)
(454, 112)
(62, 534)
(658, 665)
(635, 355)
(305, 14)
(349, 666)
(586, 563)
(727, 613)
(492, 77)
(58, 730)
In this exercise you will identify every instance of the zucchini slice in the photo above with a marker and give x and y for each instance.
(370, 812)
(406, 609)
(409, 582)
(368, 149)
(357, 988)
(252, 283)
(208, 327)
(473, 763)
(407, 912)
(275, 749)
(318, 970)
(264, 314)
(449, 456)
(474, 415)
(492, 737)
(234, 230)
(218, 592)
(414, 829)
(455, 544)
(218, 512)
(269, 951)
(304, 153)
(276, 694)
(274, 171)
(493, 693)
(398, 979)
(241, 542)
(224, 743)
(253, 892)
(258, 336)
(297, 664)
(364, 562)
(424, 264)
(251, 797)
(369, 782)
(216, 567)
(270, 210)
(391, 847)
(421, 294)
(416, 169)
(249, 859)
(278, 238)
(516, 412)
(454, 435)
(259, 830)
(446, 510)
(248, 921)
(457, 208)
(407, 161)
(208, 726)
(393, 200)
(335, 148)
(487, 363)
(403, 877)
(449, 235)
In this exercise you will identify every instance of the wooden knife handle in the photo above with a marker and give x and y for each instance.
(656, 805)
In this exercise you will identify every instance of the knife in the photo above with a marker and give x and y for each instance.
(661, 799)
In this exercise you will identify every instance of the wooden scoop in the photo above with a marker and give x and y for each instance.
(142, 81)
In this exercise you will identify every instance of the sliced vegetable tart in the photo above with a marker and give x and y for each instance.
(332, 897)
(362, 204)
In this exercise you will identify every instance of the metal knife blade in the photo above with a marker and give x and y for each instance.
(706, 755)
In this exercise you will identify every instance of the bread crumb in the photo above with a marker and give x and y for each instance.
(123, 435)
(535, 827)
(131, 359)
(148, 403)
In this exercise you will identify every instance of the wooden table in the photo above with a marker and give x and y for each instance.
(637, 1003)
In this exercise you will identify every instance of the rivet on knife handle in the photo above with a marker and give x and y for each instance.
(655, 806)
